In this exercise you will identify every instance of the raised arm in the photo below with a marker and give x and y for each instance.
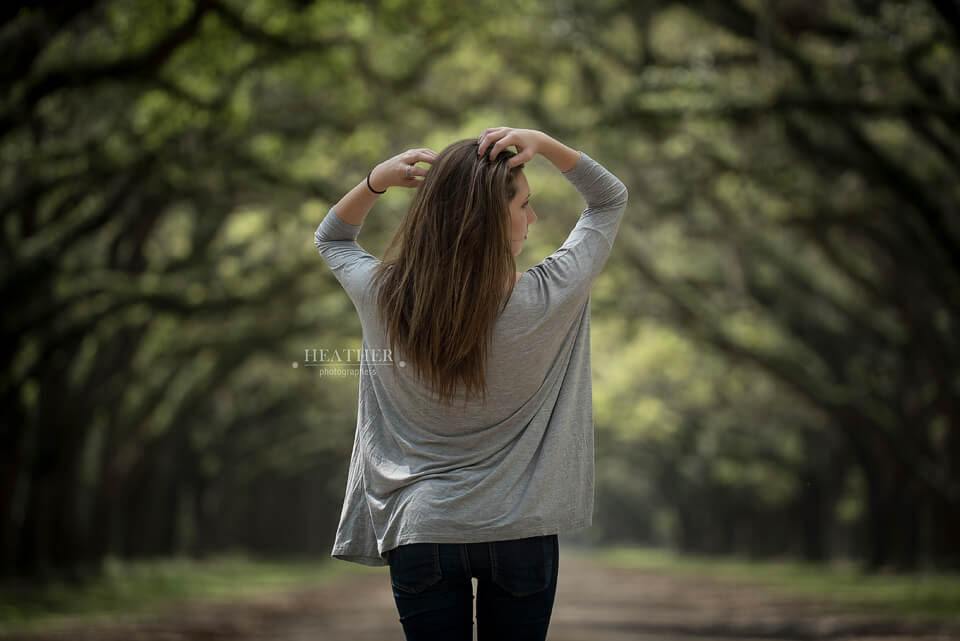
(336, 236)
(571, 270)
(399, 171)
(605, 194)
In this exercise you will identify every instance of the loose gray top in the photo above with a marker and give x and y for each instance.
(520, 465)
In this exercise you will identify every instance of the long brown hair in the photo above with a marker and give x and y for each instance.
(442, 280)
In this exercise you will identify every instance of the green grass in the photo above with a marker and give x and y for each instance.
(133, 588)
(926, 594)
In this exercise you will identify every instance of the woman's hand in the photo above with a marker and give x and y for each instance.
(401, 170)
(529, 143)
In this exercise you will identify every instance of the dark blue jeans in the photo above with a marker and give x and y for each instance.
(516, 586)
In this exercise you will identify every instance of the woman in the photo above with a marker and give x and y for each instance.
(474, 441)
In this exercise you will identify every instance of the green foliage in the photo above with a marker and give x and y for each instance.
(773, 335)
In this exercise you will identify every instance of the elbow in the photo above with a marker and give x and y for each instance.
(622, 195)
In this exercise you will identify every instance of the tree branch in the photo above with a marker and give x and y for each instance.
(83, 74)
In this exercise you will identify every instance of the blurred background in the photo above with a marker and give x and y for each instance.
(776, 357)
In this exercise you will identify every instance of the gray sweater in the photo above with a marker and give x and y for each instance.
(520, 465)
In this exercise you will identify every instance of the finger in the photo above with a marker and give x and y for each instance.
(421, 155)
(490, 136)
(500, 145)
(423, 152)
(417, 171)
(521, 157)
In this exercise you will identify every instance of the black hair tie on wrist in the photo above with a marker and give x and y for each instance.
(371, 188)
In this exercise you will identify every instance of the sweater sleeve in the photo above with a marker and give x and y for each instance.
(577, 263)
(351, 264)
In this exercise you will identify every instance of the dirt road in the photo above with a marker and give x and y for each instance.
(594, 603)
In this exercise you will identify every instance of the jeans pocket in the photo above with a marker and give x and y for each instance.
(523, 566)
(414, 567)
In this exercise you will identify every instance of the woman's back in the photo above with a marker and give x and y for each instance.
(517, 464)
